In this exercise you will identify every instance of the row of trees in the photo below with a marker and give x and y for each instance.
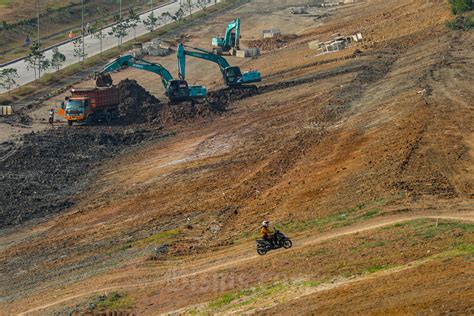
(122, 26)
(37, 61)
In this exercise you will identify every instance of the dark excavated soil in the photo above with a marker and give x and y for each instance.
(43, 175)
(272, 43)
(137, 105)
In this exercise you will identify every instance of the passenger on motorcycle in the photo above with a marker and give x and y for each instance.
(265, 232)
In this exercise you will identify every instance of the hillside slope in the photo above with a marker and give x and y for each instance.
(365, 160)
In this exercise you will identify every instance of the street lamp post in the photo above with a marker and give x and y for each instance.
(83, 44)
(38, 31)
(38, 12)
(120, 15)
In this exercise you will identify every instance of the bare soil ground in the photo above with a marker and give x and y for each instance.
(341, 151)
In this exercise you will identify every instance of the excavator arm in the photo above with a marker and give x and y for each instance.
(198, 53)
(233, 77)
(103, 77)
(176, 90)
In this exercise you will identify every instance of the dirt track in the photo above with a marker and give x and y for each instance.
(329, 141)
(298, 243)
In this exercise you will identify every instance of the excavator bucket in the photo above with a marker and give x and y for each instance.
(103, 80)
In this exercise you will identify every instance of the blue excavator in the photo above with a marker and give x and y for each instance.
(233, 76)
(231, 40)
(177, 90)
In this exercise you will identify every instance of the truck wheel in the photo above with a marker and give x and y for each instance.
(115, 115)
(90, 119)
(69, 123)
(108, 117)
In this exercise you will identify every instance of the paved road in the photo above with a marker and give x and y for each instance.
(92, 44)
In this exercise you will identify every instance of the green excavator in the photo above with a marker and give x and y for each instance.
(177, 90)
(231, 40)
(233, 76)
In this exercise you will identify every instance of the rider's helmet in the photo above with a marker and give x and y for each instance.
(265, 223)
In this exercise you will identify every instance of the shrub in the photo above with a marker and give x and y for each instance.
(48, 78)
(24, 91)
(461, 23)
(460, 6)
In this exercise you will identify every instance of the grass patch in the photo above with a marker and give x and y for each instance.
(155, 239)
(158, 238)
(113, 301)
(311, 283)
(376, 268)
(248, 296)
(5, 3)
(227, 298)
(223, 300)
(463, 20)
(370, 213)
(48, 79)
(24, 90)
(465, 247)
(70, 70)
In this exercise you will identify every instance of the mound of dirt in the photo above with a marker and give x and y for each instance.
(217, 102)
(137, 105)
(20, 117)
(43, 176)
(272, 43)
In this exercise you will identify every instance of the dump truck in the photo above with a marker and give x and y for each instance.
(90, 105)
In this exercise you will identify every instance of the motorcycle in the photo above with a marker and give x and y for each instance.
(279, 241)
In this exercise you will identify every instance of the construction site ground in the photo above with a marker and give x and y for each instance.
(363, 157)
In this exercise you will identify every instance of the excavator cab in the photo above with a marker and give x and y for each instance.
(232, 76)
(178, 90)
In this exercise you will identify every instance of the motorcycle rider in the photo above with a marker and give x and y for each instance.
(266, 233)
(51, 116)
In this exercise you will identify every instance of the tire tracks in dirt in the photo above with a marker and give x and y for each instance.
(357, 228)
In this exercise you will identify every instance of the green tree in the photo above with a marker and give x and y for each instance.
(36, 60)
(119, 29)
(133, 20)
(188, 6)
(151, 22)
(8, 78)
(77, 49)
(58, 59)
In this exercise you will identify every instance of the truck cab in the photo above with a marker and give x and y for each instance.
(77, 109)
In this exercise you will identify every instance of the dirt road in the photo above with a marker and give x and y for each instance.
(298, 243)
